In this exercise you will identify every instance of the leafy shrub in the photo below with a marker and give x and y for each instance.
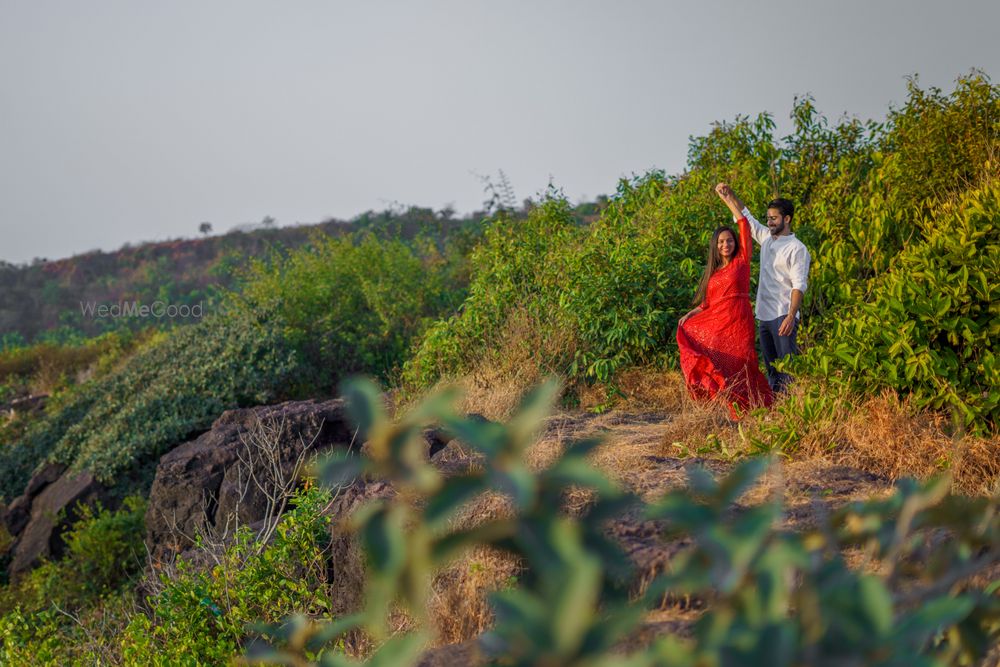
(104, 551)
(47, 617)
(927, 327)
(32, 639)
(351, 306)
(201, 616)
(299, 323)
(871, 204)
(513, 258)
(173, 387)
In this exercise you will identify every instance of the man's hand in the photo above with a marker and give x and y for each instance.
(787, 326)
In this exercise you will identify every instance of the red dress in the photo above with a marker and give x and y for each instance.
(718, 353)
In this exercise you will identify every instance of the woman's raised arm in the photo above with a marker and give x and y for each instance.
(729, 197)
(746, 242)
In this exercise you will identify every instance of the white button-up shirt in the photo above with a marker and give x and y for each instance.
(784, 266)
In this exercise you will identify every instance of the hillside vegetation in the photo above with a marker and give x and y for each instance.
(44, 301)
(898, 376)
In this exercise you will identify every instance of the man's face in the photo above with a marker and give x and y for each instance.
(776, 222)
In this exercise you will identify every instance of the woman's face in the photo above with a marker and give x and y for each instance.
(726, 245)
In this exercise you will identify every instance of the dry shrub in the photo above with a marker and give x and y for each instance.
(887, 436)
(526, 351)
(459, 605)
(638, 388)
(883, 434)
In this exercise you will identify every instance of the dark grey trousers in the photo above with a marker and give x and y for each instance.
(774, 347)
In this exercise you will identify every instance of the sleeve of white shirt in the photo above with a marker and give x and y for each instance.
(759, 231)
(800, 260)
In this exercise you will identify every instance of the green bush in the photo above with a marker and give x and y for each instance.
(298, 324)
(201, 616)
(927, 326)
(104, 552)
(174, 387)
(513, 267)
(352, 306)
(56, 613)
(33, 639)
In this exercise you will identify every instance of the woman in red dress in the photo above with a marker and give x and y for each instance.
(716, 339)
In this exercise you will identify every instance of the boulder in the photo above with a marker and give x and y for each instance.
(467, 653)
(438, 438)
(18, 513)
(53, 509)
(222, 479)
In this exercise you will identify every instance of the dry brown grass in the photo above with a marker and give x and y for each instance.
(641, 388)
(459, 605)
(883, 435)
(886, 436)
(524, 352)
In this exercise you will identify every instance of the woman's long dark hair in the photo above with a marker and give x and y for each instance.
(714, 261)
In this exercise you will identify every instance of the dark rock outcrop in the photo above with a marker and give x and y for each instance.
(18, 513)
(39, 517)
(467, 653)
(438, 438)
(212, 483)
(24, 405)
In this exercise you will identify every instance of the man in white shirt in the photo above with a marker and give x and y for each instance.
(784, 273)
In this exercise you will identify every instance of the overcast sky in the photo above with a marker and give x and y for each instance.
(126, 121)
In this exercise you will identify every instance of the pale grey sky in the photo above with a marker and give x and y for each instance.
(136, 120)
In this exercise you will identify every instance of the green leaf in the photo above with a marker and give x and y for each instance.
(450, 498)
(399, 651)
(364, 404)
(340, 469)
(742, 478)
(701, 481)
(518, 482)
(934, 616)
(487, 438)
(876, 604)
(532, 411)
(575, 471)
(332, 630)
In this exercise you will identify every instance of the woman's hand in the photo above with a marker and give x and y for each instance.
(688, 315)
(730, 199)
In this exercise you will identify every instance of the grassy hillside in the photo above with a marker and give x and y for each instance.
(42, 300)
